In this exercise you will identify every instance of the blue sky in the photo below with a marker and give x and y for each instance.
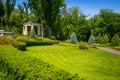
(90, 7)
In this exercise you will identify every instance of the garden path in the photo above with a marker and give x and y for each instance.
(110, 50)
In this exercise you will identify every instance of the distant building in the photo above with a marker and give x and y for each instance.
(8, 34)
(27, 27)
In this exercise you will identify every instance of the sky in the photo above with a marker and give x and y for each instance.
(90, 7)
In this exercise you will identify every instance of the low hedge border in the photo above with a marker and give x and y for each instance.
(37, 43)
(17, 65)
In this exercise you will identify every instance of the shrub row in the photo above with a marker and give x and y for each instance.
(17, 65)
(37, 43)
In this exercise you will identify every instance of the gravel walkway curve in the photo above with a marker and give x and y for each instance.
(110, 50)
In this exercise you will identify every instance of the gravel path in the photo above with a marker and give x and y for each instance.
(110, 50)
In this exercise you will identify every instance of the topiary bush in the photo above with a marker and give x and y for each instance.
(115, 40)
(22, 46)
(105, 39)
(7, 40)
(73, 38)
(83, 45)
(91, 39)
(22, 39)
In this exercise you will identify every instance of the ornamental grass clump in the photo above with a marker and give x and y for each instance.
(83, 45)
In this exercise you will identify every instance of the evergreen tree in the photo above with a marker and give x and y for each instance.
(91, 39)
(99, 39)
(32, 34)
(73, 38)
(1, 8)
(105, 39)
(115, 40)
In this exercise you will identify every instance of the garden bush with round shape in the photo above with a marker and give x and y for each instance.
(22, 39)
(52, 38)
(83, 45)
(22, 46)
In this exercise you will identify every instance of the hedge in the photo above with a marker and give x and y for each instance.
(18, 65)
(37, 43)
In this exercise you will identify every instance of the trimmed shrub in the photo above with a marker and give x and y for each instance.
(37, 43)
(32, 39)
(105, 39)
(68, 44)
(39, 39)
(7, 40)
(22, 39)
(47, 40)
(83, 45)
(115, 40)
(52, 38)
(73, 38)
(55, 42)
(22, 46)
(66, 41)
(91, 39)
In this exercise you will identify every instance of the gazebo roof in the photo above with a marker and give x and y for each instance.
(32, 23)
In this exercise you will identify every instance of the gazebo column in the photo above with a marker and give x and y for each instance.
(32, 27)
(41, 31)
(25, 30)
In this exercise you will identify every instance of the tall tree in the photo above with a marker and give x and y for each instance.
(36, 9)
(2, 12)
(1, 8)
(9, 7)
(110, 22)
(51, 11)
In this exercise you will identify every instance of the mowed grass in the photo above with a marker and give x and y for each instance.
(92, 64)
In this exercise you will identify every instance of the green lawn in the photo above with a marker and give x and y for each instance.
(92, 64)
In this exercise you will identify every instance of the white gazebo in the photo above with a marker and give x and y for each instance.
(27, 27)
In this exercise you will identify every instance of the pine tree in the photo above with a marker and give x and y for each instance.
(105, 39)
(115, 40)
(99, 39)
(73, 38)
(32, 34)
(91, 39)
